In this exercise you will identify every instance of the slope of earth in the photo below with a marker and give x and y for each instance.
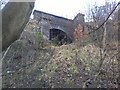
(30, 64)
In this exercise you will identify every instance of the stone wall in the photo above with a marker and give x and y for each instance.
(48, 21)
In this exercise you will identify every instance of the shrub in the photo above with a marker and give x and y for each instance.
(40, 39)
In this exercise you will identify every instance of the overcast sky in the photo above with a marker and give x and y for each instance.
(66, 8)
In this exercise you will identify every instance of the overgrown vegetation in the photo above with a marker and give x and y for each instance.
(40, 39)
(89, 62)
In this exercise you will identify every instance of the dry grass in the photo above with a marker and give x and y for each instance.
(28, 64)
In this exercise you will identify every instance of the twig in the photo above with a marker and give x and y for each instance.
(105, 20)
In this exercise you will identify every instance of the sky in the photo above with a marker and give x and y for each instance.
(67, 8)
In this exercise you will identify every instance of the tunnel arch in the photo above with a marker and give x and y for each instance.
(59, 36)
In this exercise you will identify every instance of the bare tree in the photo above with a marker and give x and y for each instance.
(101, 18)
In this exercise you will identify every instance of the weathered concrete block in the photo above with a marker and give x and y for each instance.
(15, 16)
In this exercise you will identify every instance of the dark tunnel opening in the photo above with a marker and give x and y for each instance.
(59, 37)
